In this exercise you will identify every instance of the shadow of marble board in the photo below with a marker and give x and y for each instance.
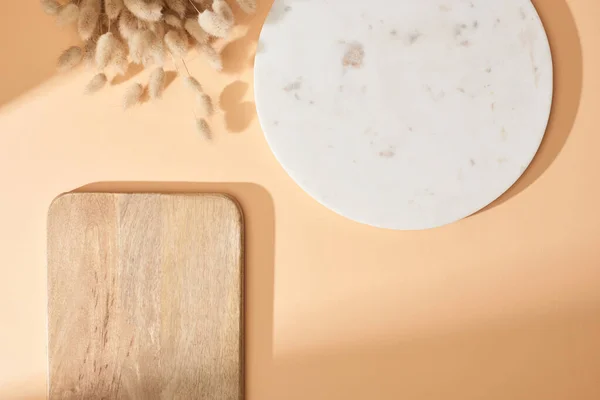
(145, 297)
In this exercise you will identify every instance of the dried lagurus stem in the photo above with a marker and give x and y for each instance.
(156, 83)
(96, 83)
(147, 10)
(70, 58)
(247, 6)
(113, 8)
(193, 28)
(89, 14)
(177, 43)
(203, 128)
(68, 14)
(133, 95)
(50, 7)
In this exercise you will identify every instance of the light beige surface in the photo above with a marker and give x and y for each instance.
(144, 297)
(502, 305)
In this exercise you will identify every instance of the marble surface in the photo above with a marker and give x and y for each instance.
(404, 114)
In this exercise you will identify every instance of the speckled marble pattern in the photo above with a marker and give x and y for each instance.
(404, 114)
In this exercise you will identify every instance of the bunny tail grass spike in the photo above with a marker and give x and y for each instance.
(222, 9)
(107, 44)
(115, 33)
(113, 8)
(70, 58)
(133, 94)
(177, 43)
(89, 53)
(158, 28)
(147, 10)
(50, 7)
(193, 84)
(68, 14)
(97, 83)
(119, 61)
(154, 53)
(139, 45)
(128, 24)
(192, 27)
(214, 24)
(204, 106)
(178, 6)
(247, 6)
(156, 83)
(203, 128)
(89, 14)
(173, 21)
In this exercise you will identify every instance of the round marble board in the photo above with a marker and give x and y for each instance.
(404, 114)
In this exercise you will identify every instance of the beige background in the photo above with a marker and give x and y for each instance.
(502, 305)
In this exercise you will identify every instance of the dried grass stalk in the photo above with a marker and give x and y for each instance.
(222, 9)
(203, 128)
(89, 14)
(116, 32)
(156, 83)
(113, 8)
(214, 24)
(68, 14)
(179, 6)
(195, 31)
(50, 7)
(105, 49)
(213, 58)
(96, 83)
(173, 21)
(247, 6)
(133, 95)
(147, 10)
(204, 107)
(70, 58)
(177, 43)
(128, 24)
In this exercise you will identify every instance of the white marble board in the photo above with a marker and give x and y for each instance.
(404, 114)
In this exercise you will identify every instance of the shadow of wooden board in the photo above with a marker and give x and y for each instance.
(145, 297)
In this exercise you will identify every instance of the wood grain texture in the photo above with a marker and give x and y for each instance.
(145, 295)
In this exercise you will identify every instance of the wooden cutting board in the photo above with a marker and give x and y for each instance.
(145, 297)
